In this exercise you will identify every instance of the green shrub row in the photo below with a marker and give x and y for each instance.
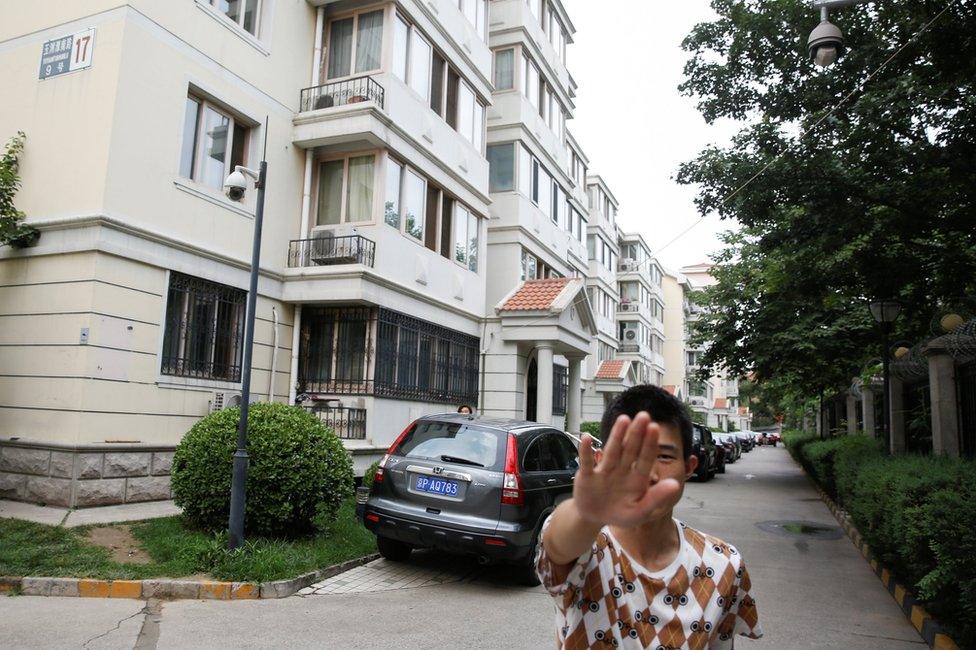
(917, 513)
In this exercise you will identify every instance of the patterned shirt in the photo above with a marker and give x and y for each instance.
(702, 600)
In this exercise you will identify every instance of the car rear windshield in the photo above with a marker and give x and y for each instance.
(454, 442)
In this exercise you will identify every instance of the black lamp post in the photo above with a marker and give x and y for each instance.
(235, 187)
(885, 312)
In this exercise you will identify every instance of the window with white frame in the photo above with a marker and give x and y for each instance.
(533, 268)
(525, 168)
(476, 11)
(345, 190)
(355, 44)
(505, 69)
(245, 13)
(465, 237)
(214, 143)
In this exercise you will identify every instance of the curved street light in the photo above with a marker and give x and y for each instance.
(885, 312)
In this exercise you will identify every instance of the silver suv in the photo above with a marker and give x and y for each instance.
(470, 485)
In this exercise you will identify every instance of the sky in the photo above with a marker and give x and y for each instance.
(634, 124)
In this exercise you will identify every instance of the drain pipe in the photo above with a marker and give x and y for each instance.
(274, 354)
(484, 352)
(306, 207)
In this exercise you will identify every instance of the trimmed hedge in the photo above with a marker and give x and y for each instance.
(917, 513)
(298, 476)
(592, 428)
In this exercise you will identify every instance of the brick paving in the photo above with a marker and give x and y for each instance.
(424, 569)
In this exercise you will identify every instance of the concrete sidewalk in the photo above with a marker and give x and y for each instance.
(811, 591)
(87, 516)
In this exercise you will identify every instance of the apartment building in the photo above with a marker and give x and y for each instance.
(124, 324)
(538, 322)
(640, 312)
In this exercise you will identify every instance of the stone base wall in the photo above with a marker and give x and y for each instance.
(85, 475)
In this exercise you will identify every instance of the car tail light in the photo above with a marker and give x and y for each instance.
(374, 518)
(494, 541)
(512, 484)
(378, 477)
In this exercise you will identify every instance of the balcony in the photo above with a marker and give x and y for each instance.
(342, 93)
(331, 251)
(629, 307)
(347, 423)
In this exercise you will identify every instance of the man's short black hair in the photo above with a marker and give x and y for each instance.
(662, 406)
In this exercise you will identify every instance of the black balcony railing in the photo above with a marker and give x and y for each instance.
(330, 251)
(340, 93)
(347, 423)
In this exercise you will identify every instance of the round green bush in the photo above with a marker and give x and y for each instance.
(299, 472)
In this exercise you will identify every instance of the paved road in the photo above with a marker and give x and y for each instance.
(812, 592)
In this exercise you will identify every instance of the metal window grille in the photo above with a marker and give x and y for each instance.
(560, 389)
(411, 359)
(204, 329)
(347, 423)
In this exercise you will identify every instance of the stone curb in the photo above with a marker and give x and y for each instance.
(927, 627)
(165, 589)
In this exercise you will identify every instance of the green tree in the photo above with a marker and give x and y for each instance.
(839, 201)
(12, 230)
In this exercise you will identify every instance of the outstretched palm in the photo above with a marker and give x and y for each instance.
(617, 490)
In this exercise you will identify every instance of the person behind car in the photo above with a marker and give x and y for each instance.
(620, 569)
(465, 410)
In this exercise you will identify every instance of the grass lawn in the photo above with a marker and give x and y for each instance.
(28, 549)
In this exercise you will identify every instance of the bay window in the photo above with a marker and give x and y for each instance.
(355, 44)
(345, 190)
(414, 198)
(465, 237)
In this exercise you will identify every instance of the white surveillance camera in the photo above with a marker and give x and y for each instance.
(826, 44)
(235, 187)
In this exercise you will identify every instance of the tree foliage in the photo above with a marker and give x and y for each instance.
(851, 182)
(12, 230)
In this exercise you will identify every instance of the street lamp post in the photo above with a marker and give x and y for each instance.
(235, 188)
(885, 312)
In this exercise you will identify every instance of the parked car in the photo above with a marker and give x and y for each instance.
(733, 448)
(703, 446)
(747, 439)
(470, 485)
(770, 438)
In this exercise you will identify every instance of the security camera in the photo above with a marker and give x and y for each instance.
(235, 186)
(826, 44)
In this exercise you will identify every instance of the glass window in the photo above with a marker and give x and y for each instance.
(482, 20)
(437, 84)
(340, 48)
(460, 234)
(246, 18)
(188, 151)
(215, 137)
(391, 211)
(414, 197)
(504, 69)
(545, 192)
(420, 58)
(556, 202)
(470, 10)
(525, 171)
(501, 161)
(472, 242)
(479, 125)
(330, 192)
(359, 189)
(533, 85)
(465, 112)
(369, 40)
(535, 181)
(431, 440)
(401, 35)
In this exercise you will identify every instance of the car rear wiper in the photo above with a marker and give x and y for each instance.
(462, 461)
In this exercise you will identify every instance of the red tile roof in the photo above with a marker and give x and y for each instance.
(536, 295)
(671, 388)
(721, 403)
(610, 369)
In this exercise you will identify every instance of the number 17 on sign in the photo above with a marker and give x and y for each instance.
(67, 54)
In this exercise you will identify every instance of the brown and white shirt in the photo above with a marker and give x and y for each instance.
(702, 600)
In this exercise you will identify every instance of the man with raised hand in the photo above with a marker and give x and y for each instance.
(621, 570)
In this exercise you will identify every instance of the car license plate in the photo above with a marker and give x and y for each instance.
(432, 485)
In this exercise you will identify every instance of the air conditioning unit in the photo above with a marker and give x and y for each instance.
(221, 400)
(630, 335)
